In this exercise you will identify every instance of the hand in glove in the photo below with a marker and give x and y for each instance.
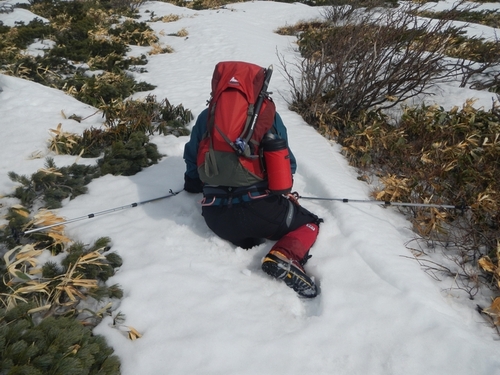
(193, 185)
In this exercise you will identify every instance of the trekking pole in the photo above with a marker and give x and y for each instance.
(242, 143)
(104, 212)
(260, 100)
(388, 203)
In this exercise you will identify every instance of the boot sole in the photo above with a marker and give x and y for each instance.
(292, 276)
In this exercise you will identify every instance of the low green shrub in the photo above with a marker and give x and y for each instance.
(103, 88)
(50, 185)
(124, 138)
(44, 328)
(58, 346)
(130, 157)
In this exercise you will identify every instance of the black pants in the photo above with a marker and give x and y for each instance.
(247, 224)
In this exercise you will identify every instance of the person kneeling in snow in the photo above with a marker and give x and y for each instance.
(238, 206)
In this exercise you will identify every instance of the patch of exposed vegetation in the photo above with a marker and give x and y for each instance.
(362, 61)
(49, 307)
(84, 36)
(51, 185)
(125, 120)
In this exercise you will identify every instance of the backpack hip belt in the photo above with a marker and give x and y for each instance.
(225, 195)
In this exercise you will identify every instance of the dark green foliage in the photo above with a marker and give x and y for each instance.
(70, 32)
(57, 346)
(102, 292)
(181, 3)
(3, 30)
(51, 185)
(115, 291)
(102, 243)
(174, 119)
(202, 4)
(105, 88)
(63, 345)
(3, 271)
(82, 50)
(46, 70)
(128, 8)
(114, 260)
(117, 64)
(51, 270)
(78, 249)
(128, 158)
(9, 235)
(26, 34)
(198, 5)
(102, 271)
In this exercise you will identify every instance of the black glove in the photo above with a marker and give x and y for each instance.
(193, 185)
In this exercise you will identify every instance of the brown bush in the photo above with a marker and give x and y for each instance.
(361, 58)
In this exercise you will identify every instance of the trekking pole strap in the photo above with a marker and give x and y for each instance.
(388, 203)
(100, 213)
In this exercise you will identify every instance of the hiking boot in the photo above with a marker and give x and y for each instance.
(291, 272)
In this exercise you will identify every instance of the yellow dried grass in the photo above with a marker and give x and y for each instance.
(61, 291)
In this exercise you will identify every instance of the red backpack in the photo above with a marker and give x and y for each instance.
(239, 116)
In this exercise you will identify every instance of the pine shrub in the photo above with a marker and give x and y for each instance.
(41, 330)
(122, 120)
(50, 185)
(56, 346)
(129, 158)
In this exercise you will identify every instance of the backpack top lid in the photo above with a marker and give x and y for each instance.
(246, 77)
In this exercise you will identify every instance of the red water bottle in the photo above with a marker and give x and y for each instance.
(278, 168)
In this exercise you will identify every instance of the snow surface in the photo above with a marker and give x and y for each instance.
(204, 306)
